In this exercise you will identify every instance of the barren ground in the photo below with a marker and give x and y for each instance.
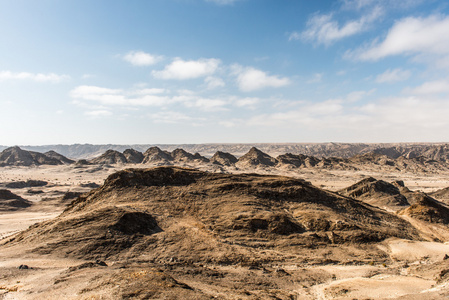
(411, 270)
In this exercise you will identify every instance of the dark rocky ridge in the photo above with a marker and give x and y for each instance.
(156, 155)
(224, 159)
(57, 156)
(378, 193)
(15, 156)
(147, 212)
(253, 159)
(10, 201)
(427, 209)
(133, 156)
(441, 195)
(430, 151)
(25, 184)
(110, 157)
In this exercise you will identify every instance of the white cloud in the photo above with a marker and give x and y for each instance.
(409, 113)
(323, 29)
(214, 82)
(94, 98)
(388, 119)
(98, 113)
(246, 102)
(150, 98)
(206, 104)
(140, 58)
(107, 96)
(358, 95)
(38, 77)
(410, 36)
(181, 69)
(309, 113)
(394, 75)
(151, 91)
(251, 79)
(170, 117)
(432, 87)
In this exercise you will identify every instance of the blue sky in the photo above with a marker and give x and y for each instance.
(223, 71)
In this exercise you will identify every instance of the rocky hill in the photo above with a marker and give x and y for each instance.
(223, 159)
(178, 233)
(14, 156)
(156, 155)
(441, 195)
(133, 156)
(10, 201)
(254, 158)
(110, 157)
(430, 151)
(147, 209)
(427, 209)
(379, 193)
(59, 157)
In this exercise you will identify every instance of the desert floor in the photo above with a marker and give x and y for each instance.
(412, 275)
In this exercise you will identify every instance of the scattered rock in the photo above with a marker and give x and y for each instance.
(23, 267)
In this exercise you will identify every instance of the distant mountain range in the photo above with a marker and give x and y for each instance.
(435, 151)
(431, 158)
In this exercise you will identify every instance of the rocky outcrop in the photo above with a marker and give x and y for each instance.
(10, 201)
(378, 193)
(133, 156)
(142, 212)
(254, 158)
(110, 157)
(57, 156)
(427, 209)
(223, 159)
(14, 156)
(156, 155)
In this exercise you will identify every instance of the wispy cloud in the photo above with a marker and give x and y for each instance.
(394, 75)
(98, 113)
(181, 69)
(324, 29)
(409, 36)
(251, 79)
(246, 102)
(214, 82)
(155, 98)
(108, 96)
(140, 58)
(432, 87)
(170, 117)
(386, 119)
(38, 77)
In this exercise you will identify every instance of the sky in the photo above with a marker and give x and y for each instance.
(223, 71)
